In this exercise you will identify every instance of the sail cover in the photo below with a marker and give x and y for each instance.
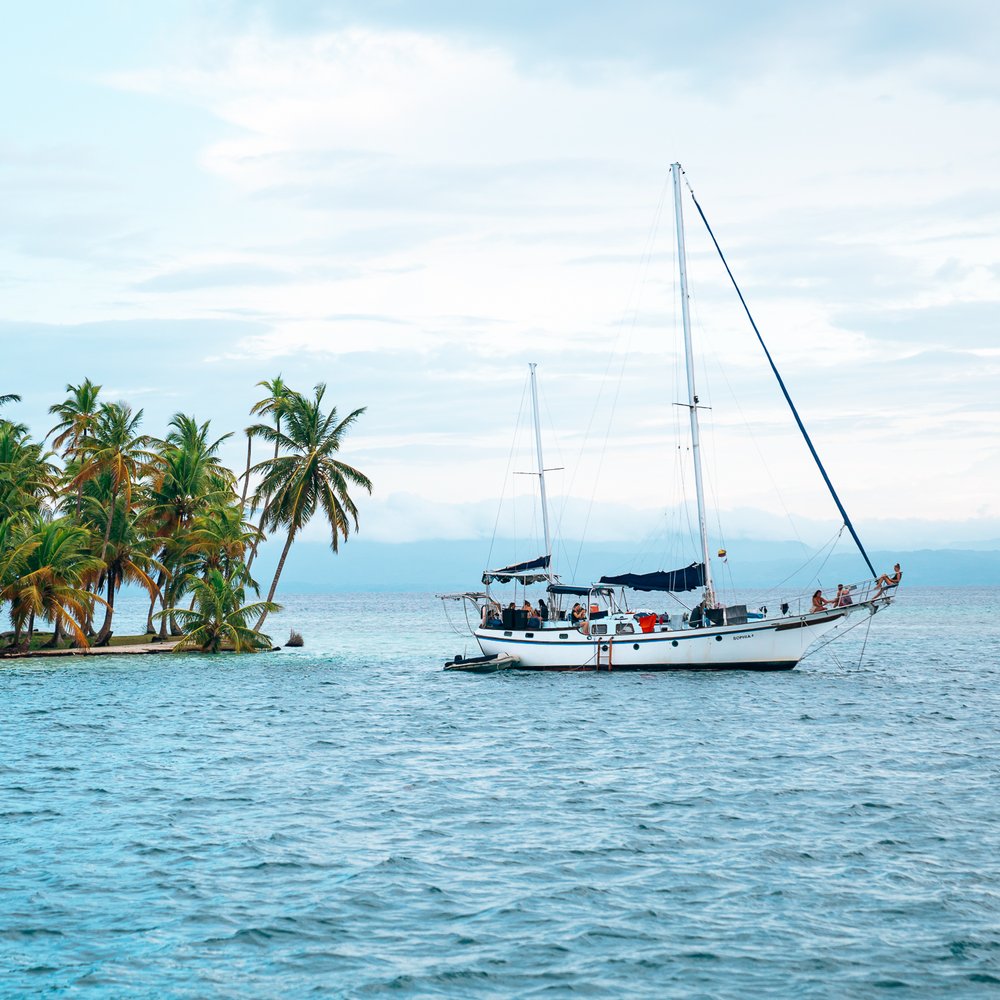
(524, 573)
(690, 578)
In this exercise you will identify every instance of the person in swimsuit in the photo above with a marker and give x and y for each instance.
(820, 603)
(885, 582)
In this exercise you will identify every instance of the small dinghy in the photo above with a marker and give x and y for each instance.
(483, 664)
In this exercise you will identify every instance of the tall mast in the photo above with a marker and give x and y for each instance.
(692, 404)
(541, 465)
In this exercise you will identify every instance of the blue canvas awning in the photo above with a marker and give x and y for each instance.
(690, 578)
(575, 590)
(525, 572)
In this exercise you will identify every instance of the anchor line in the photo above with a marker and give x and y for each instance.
(837, 637)
(864, 645)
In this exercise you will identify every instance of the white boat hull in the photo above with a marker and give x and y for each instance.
(770, 644)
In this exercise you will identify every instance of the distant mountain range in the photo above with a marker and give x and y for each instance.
(457, 565)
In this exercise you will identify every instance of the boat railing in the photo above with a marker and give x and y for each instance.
(863, 592)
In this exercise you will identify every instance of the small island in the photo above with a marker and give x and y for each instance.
(99, 503)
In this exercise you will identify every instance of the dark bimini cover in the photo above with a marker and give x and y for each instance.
(522, 572)
(573, 589)
(690, 578)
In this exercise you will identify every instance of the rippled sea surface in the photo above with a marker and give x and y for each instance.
(347, 820)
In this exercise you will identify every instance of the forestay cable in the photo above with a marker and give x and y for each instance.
(788, 398)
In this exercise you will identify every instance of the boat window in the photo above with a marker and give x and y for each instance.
(508, 633)
(529, 635)
(599, 629)
(625, 628)
(564, 635)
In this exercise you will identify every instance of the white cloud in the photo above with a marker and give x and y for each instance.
(426, 213)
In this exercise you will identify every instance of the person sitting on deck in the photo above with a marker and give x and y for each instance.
(886, 582)
(543, 610)
(820, 603)
(843, 596)
(579, 613)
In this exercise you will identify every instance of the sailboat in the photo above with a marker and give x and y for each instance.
(609, 627)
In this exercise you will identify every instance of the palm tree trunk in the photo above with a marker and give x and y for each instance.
(277, 573)
(107, 532)
(246, 476)
(161, 578)
(87, 625)
(259, 538)
(56, 633)
(104, 636)
(79, 489)
(31, 627)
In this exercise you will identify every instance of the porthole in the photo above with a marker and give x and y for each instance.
(674, 643)
(635, 645)
(718, 638)
(604, 646)
(564, 635)
(508, 633)
(529, 635)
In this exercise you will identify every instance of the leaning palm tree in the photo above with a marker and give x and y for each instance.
(308, 477)
(10, 397)
(219, 618)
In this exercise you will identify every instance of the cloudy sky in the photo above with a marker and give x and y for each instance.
(411, 201)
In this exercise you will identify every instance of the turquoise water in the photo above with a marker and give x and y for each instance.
(347, 820)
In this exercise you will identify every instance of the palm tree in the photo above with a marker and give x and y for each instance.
(51, 581)
(187, 479)
(219, 617)
(309, 477)
(17, 543)
(270, 404)
(118, 455)
(127, 557)
(77, 416)
(27, 478)
(220, 538)
(10, 397)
